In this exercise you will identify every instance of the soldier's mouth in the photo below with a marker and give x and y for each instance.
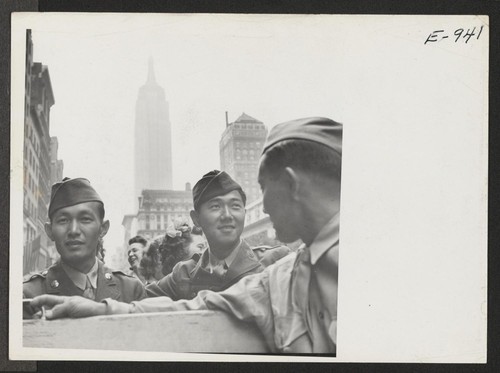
(227, 228)
(74, 243)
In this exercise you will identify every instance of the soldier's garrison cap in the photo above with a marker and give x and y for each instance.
(321, 130)
(70, 192)
(213, 184)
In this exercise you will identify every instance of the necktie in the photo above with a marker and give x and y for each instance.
(89, 290)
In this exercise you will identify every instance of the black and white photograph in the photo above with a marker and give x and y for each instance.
(242, 187)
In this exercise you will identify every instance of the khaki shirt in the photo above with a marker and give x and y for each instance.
(293, 302)
(79, 278)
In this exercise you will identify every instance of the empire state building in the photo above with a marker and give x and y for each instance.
(153, 138)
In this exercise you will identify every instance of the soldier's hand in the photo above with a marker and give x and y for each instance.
(58, 307)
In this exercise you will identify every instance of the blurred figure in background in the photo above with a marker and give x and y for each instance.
(164, 252)
(198, 242)
(136, 247)
(101, 251)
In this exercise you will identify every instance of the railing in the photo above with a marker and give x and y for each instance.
(193, 331)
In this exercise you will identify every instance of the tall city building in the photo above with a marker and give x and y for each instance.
(153, 138)
(160, 208)
(240, 147)
(38, 157)
(56, 165)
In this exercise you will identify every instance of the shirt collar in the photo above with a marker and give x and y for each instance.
(213, 260)
(327, 238)
(79, 278)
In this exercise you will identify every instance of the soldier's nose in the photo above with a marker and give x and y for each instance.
(74, 228)
(226, 213)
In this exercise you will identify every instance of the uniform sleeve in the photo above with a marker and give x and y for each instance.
(140, 292)
(274, 254)
(167, 286)
(248, 300)
(31, 289)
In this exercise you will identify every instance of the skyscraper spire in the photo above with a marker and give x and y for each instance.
(151, 72)
(153, 138)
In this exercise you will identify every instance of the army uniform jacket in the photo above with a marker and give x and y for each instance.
(191, 276)
(110, 284)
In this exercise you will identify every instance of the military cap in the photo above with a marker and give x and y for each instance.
(213, 184)
(70, 192)
(321, 130)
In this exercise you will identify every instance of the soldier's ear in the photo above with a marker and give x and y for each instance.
(104, 228)
(194, 218)
(291, 182)
(48, 229)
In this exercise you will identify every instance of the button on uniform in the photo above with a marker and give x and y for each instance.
(54, 284)
(108, 276)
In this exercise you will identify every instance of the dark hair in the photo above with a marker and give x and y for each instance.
(100, 251)
(100, 210)
(138, 239)
(308, 156)
(166, 251)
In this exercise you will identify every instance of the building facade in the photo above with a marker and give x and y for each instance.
(160, 208)
(240, 147)
(153, 138)
(56, 165)
(39, 161)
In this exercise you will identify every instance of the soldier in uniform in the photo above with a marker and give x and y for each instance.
(76, 225)
(219, 210)
(293, 302)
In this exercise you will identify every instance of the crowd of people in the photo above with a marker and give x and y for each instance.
(290, 296)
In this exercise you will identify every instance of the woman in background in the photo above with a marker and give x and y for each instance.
(164, 252)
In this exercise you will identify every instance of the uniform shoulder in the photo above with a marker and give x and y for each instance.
(109, 272)
(37, 275)
(183, 268)
(34, 284)
(270, 254)
(263, 248)
(118, 272)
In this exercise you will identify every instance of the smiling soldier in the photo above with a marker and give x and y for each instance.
(76, 224)
(219, 210)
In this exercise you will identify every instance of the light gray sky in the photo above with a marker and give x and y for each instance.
(274, 68)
